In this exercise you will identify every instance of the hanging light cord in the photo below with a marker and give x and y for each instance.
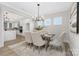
(38, 10)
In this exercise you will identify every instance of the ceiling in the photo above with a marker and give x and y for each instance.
(45, 7)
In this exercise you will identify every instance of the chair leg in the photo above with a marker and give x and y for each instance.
(39, 49)
(46, 47)
(34, 48)
(30, 45)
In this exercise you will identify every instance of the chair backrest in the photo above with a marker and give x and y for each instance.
(61, 34)
(28, 37)
(58, 35)
(57, 40)
(37, 39)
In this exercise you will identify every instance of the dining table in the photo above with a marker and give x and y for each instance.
(47, 37)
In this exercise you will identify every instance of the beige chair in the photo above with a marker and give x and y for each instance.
(28, 39)
(38, 42)
(57, 41)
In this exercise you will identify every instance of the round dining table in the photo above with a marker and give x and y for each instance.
(47, 38)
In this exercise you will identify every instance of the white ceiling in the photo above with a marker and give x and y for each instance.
(45, 7)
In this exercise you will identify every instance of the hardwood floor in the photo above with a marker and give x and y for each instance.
(6, 51)
(18, 39)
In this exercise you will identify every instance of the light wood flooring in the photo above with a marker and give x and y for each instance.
(6, 51)
(18, 39)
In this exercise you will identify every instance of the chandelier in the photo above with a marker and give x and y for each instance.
(39, 21)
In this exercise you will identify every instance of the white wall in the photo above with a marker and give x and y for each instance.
(74, 43)
(65, 21)
(31, 24)
(74, 40)
(1, 29)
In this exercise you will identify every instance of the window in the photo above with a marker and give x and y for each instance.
(47, 22)
(57, 21)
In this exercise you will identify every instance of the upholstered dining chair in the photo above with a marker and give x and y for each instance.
(38, 42)
(28, 39)
(57, 43)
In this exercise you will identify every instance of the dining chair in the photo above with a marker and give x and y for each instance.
(38, 42)
(57, 43)
(48, 37)
(28, 39)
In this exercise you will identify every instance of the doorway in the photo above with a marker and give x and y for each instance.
(27, 27)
